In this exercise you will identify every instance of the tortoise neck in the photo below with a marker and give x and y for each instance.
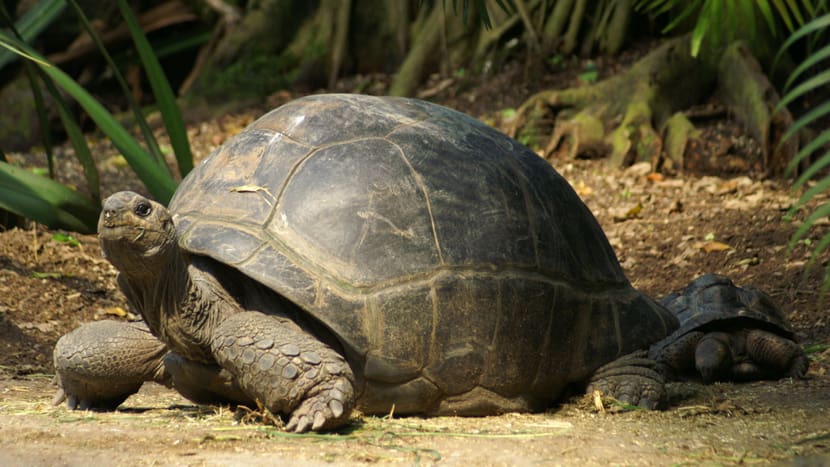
(163, 297)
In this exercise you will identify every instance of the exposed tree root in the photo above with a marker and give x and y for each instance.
(751, 99)
(630, 106)
(638, 115)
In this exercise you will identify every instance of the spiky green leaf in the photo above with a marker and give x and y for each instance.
(165, 98)
(32, 23)
(817, 142)
(144, 127)
(45, 201)
(158, 180)
(809, 62)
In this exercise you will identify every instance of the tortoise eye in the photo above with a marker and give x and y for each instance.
(143, 209)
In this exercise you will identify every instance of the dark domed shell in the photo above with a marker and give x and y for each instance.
(713, 301)
(418, 235)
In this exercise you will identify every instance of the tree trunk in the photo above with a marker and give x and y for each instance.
(751, 99)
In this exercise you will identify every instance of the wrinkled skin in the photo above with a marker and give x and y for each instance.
(197, 324)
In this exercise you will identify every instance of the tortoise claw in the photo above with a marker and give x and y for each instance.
(632, 379)
(60, 396)
(328, 408)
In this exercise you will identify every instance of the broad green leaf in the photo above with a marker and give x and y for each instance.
(76, 137)
(32, 23)
(806, 151)
(73, 130)
(806, 119)
(808, 63)
(817, 25)
(45, 201)
(43, 118)
(17, 52)
(165, 98)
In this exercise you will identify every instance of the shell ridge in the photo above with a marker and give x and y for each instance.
(422, 186)
(531, 219)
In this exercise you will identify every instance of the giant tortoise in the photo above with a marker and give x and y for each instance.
(348, 251)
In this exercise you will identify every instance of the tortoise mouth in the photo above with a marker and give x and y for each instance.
(127, 233)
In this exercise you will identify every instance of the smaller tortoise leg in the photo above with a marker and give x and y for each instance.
(100, 364)
(677, 359)
(716, 356)
(776, 355)
(285, 369)
(632, 379)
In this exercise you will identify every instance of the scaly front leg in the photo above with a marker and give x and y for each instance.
(285, 369)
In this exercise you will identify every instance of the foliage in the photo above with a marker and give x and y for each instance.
(717, 23)
(255, 77)
(811, 76)
(47, 201)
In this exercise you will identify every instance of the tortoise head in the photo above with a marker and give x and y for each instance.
(136, 234)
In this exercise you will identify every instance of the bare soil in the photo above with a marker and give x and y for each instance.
(666, 230)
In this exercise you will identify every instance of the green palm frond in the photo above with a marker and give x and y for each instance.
(810, 76)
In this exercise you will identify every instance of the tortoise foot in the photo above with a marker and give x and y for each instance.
(632, 379)
(329, 408)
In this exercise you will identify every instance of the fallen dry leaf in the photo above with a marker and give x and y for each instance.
(711, 246)
(582, 189)
(631, 213)
(116, 311)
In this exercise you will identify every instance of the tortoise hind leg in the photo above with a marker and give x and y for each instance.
(100, 364)
(777, 355)
(631, 379)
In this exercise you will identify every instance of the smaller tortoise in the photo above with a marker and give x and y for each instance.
(727, 333)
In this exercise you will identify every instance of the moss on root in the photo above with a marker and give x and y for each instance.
(641, 109)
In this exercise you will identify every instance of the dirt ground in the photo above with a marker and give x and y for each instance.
(665, 230)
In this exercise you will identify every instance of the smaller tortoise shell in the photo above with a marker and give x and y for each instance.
(713, 302)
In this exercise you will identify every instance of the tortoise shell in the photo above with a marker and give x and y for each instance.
(435, 249)
(714, 303)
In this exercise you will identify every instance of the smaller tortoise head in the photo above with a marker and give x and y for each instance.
(136, 234)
